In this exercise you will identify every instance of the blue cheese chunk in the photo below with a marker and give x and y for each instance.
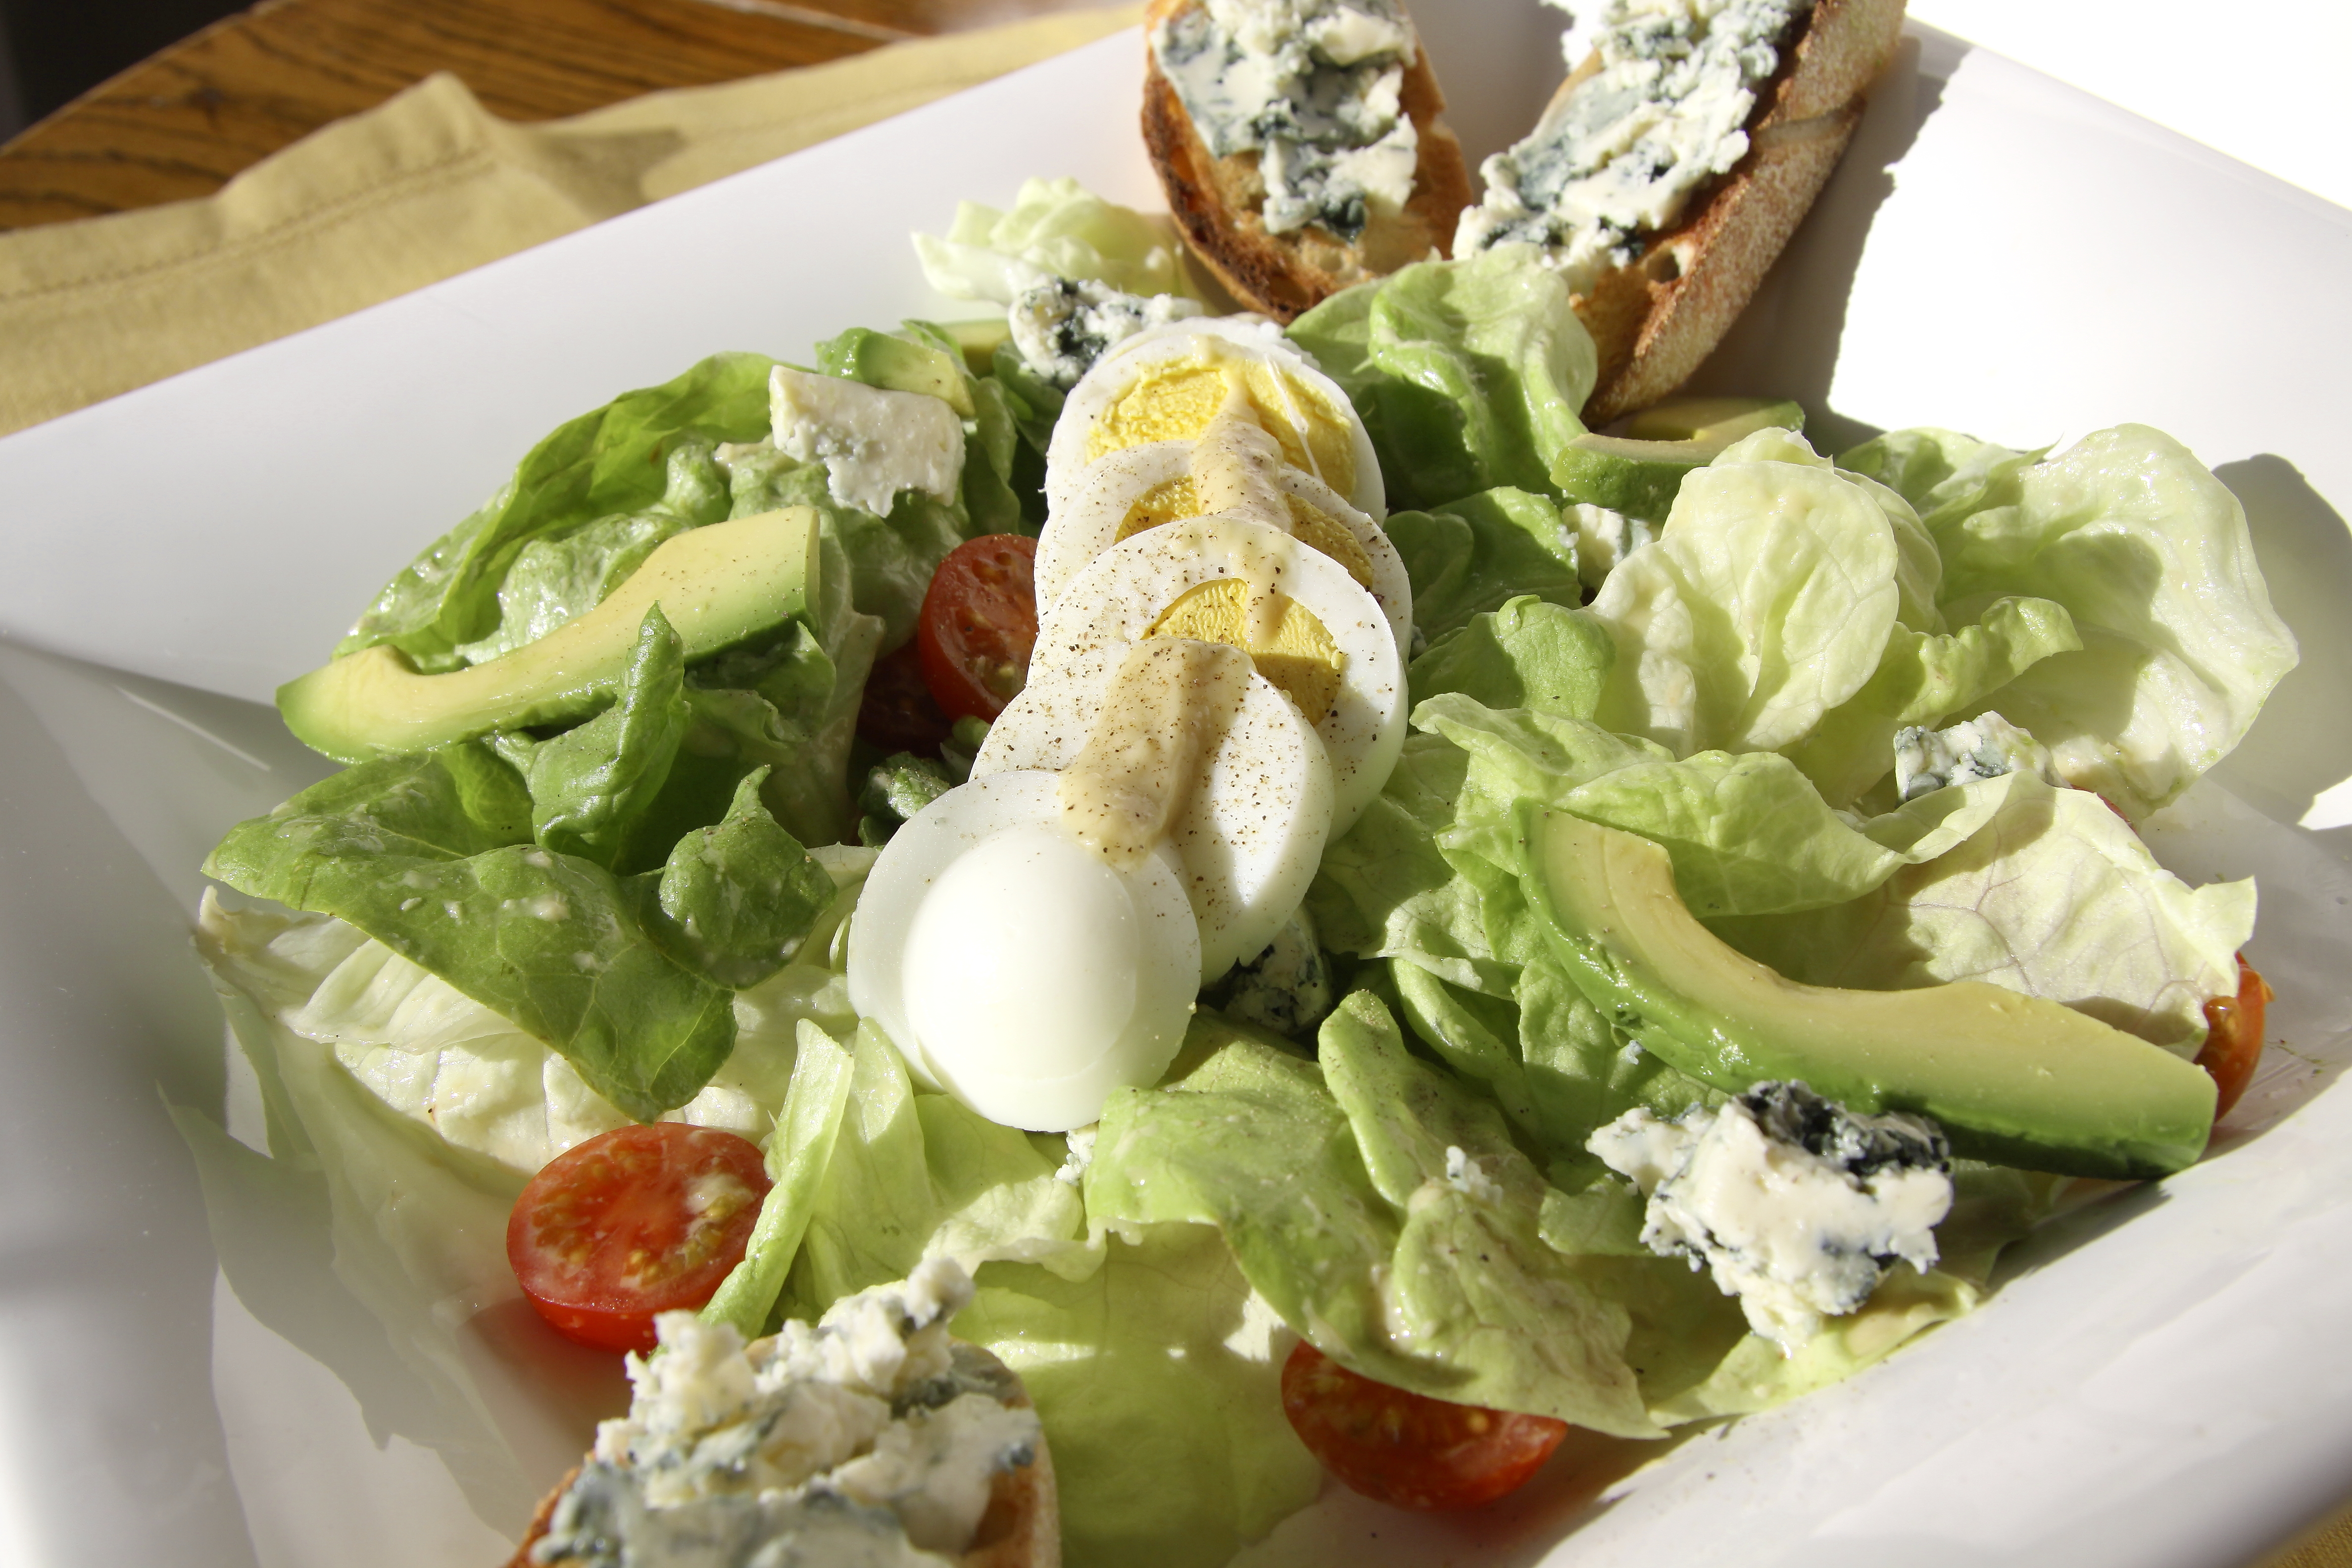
(1061, 327)
(1985, 747)
(874, 444)
(866, 1441)
(1797, 1204)
(1616, 159)
(1315, 88)
(1286, 988)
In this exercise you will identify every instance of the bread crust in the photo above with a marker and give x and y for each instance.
(1216, 201)
(1021, 1529)
(1655, 319)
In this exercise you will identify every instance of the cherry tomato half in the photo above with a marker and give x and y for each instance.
(1406, 1449)
(639, 1220)
(2233, 1036)
(897, 712)
(978, 625)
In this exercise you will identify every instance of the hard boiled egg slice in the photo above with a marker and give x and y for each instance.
(1251, 834)
(1122, 493)
(1016, 968)
(1312, 629)
(1167, 384)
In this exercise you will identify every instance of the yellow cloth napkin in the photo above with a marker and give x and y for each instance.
(425, 186)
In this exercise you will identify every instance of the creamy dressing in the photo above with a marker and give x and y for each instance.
(1171, 702)
(1237, 467)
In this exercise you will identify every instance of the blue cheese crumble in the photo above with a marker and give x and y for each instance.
(1288, 988)
(1616, 157)
(1985, 747)
(874, 442)
(1314, 88)
(1797, 1204)
(1061, 327)
(868, 1441)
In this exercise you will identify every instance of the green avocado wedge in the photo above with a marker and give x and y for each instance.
(2015, 1079)
(897, 364)
(717, 584)
(1638, 470)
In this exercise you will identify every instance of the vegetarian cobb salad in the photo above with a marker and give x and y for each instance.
(1437, 886)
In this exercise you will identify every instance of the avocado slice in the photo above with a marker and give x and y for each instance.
(2012, 1078)
(977, 340)
(1637, 468)
(717, 584)
(897, 364)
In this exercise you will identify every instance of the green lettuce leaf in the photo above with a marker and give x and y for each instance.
(611, 462)
(1926, 678)
(914, 1175)
(429, 854)
(1943, 474)
(1530, 653)
(736, 899)
(1468, 374)
(2052, 895)
(2149, 554)
(1388, 1218)
(1766, 600)
(591, 785)
(798, 1152)
(1158, 1378)
(1479, 553)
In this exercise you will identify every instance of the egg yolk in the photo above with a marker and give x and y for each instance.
(1175, 399)
(1173, 500)
(1299, 657)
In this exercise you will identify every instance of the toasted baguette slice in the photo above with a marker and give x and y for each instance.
(1655, 319)
(1022, 1529)
(1217, 201)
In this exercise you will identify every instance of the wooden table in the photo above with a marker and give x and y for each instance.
(179, 124)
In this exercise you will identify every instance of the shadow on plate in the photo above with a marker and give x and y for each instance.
(2301, 746)
(1786, 342)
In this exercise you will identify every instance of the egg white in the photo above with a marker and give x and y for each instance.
(1089, 525)
(1252, 832)
(1015, 968)
(1242, 337)
(1122, 593)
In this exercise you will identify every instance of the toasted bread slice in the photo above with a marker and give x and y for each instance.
(1654, 321)
(1022, 1529)
(1217, 201)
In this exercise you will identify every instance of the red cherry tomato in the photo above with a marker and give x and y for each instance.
(897, 713)
(978, 625)
(2233, 1036)
(1406, 1449)
(639, 1220)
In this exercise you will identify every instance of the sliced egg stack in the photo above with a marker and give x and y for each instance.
(1217, 687)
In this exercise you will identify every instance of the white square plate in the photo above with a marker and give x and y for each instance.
(2159, 1382)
